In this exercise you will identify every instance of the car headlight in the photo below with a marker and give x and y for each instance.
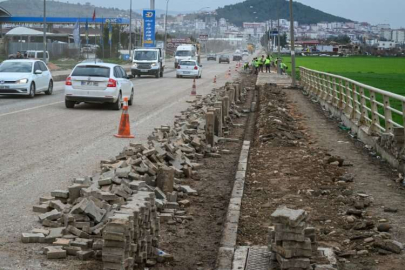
(154, 64)
(135, 66)
(22, 81)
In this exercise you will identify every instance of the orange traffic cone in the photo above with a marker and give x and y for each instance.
(194, 89)
(215, 79)
(124, 130)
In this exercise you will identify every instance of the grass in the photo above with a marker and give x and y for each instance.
(386, 73)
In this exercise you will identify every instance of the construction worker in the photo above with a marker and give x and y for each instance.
(283, 68)
(261, 63)
(267, 63)
(246, 66)
(257, 66)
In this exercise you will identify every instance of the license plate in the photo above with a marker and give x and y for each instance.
(186, 72)
(144, 70)
(4, 87)
(89, 83)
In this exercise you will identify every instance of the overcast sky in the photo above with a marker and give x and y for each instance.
(372, 11)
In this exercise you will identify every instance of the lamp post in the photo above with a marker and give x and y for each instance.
(44, 56)
(130, 29)
(167, 8)
(292, 41)
(152, 4)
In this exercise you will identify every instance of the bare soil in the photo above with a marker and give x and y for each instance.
(298, 158)
(194, 243)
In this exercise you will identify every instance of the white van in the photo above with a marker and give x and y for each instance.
(185, 52)
(37, 55)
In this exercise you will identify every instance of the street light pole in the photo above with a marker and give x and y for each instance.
(167, 8)
(130, 30)
(44, 56)
(292, 41)
(152, 4)
(278, 42)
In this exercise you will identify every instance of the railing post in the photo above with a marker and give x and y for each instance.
(347, 109)
(355, 110)
(340, 105)
(374, 116)
(335, 95)
(403, 115)
(388, 115)
(329, 86)
(363, 109)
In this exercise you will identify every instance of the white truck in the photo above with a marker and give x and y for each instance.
(148, 61)
(185, 52)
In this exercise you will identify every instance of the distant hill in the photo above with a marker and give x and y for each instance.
(34, 8)
(267, 9)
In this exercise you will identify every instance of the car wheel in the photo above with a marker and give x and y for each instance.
(118, 104)
(139, 75)
(177, 76)
(200, 75)
(161, 73)
(69, 104)
(50, 88)
(32, 90)
(131, 99)
(157, 74)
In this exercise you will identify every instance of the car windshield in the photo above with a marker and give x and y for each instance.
(145, 55)
(19, 67)
(188, 63)
(92, 71)
(92, 61)
(183, 53)
(224, 56)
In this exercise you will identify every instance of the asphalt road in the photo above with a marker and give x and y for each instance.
(43, 146)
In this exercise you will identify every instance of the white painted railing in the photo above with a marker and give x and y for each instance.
(365, 105)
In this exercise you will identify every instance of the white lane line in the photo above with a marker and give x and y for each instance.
(29, 109)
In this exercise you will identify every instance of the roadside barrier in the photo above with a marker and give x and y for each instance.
(363, 104)
(124, 130)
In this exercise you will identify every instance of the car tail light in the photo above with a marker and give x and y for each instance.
(178, 67)
(68, 81)
(112, 83)
(195, 68)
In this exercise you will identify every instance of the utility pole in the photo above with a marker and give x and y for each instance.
(152, 4)
(130, 30)
(44, 58)
(167, 7)
(278, 42)
(292, 41)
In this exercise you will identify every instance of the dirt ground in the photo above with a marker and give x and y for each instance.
(194, 243)
(301, 159)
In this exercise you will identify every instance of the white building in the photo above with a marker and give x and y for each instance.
(399, 36)
(385, 45)
(386, 34)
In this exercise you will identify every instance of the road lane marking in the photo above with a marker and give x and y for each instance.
(29, 109)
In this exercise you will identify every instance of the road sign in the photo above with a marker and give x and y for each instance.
(149, 28)
(273, 33)
(203, 37)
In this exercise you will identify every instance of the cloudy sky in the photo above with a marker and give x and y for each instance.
(373, 11)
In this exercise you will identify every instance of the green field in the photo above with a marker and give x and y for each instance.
(384, 73)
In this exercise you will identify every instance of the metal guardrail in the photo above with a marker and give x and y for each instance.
(379, 110)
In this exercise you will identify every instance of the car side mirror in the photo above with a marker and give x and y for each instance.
(38, 72)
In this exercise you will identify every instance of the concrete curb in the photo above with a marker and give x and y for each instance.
(230, 231)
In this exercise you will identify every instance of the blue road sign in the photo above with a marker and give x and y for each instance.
(149, 28)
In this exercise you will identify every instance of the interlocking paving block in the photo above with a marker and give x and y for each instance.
(258, 258)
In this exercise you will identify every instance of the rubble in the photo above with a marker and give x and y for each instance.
(113, 215)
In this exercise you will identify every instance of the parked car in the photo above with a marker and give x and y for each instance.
(245, 53)
(98, 83)
(212, 57)
(224, 59)
(237, 57)
(25, 77)
(189, 68)
(37, 55)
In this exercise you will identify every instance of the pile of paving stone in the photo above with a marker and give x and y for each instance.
(292, 242)
(114, 215)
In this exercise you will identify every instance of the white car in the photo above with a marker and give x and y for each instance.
(189, 68)
(25, 77)
(98, 83)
